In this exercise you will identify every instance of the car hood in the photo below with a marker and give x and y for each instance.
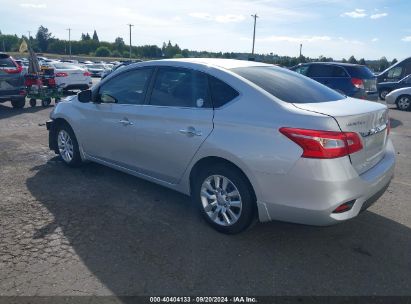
(406, 90)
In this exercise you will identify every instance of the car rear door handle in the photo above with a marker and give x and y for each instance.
(190, 131)
(126, 122)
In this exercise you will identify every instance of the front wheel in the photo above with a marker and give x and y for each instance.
(404, 103)
(225, 198)
(68, 146)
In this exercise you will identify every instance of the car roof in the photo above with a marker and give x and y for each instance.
(335, 63)
(215, 62)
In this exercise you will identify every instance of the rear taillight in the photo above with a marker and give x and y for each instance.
(324, 144)
(16, 70)
(358, 83)
(61, 74)
(87, 73)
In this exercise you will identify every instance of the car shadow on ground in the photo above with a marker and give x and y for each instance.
(138, 238)
(394, 123)
(8, 111)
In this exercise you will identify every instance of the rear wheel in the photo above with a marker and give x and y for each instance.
(404, 103)
(33, 102)
(383, 93)
(68, 146)
(225, 198)
(18, 103)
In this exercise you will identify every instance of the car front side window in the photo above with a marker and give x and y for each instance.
(127, 88)
(178, 87)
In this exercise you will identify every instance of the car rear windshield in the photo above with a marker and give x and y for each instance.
(6, 62)
(65, 66)
(287, 85)
(360, 72)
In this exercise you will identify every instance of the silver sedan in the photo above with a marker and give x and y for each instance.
(244, 139)
(401, 98)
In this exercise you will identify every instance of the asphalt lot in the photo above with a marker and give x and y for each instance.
(96, 231)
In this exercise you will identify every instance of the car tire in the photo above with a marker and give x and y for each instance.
(18, 103)
(403, 103)
(33, 102)
(383, 93)
(215, 189)
(67, 145)
(46, 102)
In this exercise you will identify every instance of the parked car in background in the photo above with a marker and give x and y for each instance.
(385, 87)
(24, 65)
(97, 69)
(396, 72)
(115, 68)
(71, 77)
(11, 82)
(401, 98)
(349, 79)
(242, 138)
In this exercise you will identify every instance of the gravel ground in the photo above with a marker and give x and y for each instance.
(96, 231)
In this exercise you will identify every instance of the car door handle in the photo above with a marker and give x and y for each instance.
(190, 131)
(126, 122)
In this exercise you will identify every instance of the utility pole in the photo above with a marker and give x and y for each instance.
(301, 48)
(130, 25)
(29, 34)
(255, 21)
(69, 30)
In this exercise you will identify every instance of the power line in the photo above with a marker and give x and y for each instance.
(130, 25)
(255, 16)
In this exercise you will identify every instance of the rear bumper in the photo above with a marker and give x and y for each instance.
(313, 189)
(367, 95)
(12, 95)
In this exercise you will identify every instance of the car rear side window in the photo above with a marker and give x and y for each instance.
(321, 70)
(361, 72)
(221, 93)
(288, 85)
(178, 87)
(129, 87)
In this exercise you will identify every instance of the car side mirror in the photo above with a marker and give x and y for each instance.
(84, 96)
(106, 98)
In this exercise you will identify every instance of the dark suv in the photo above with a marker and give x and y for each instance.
(11, 82)
(349, 79)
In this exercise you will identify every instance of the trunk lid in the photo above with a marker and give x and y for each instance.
(368, 119)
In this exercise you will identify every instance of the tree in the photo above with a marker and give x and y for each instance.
(383, 64)
(352, 60)
(119, 44)
(103, 51)
(362, 61)
(95, 37)
(394, 61)
(344, 60)
(85, 37)
(43, 36)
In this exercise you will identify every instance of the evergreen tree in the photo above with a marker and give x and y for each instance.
(95, 37)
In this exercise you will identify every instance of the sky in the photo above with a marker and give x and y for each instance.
(366, 29)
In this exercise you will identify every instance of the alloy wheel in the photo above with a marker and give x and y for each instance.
(404, 103)
(66, 147)
(221, 200)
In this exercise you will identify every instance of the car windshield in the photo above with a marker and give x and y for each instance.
(287, 85)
